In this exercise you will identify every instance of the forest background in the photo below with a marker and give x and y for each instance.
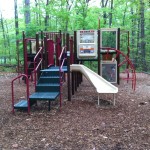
(33, 16)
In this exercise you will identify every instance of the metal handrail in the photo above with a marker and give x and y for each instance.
(27, 91)
(50, 65)
(62, 64)
(39, 52)
(37, 64)
(62, 53)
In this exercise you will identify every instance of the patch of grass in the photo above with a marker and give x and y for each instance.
(8, 69)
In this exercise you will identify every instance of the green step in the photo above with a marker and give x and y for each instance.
(56, 68)
(45, 87)
(50, 96)
(53, 71)
(49, 79)
(22, 104)
(50, 73)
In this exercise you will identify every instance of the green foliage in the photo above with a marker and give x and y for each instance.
(78, 14)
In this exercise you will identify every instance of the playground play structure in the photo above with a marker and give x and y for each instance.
(51, 58)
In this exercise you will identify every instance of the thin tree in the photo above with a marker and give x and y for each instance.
(133, 32)
(47, 15)
(8, 40)
(110, 14)
(4, 36)
(27, 14)
(69, 4)
(37, 16)
(124, 14)
(142, 35)
(16, 30)
(104, 5)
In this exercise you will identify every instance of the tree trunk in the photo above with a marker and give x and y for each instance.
(142, 28)
(47, 16)
(36, 15)
(110, 14)
(16, 18)
(124, 15)
(138, 37)
(8, 41)
(16, 29)
(40, 22)
(133, 33)
(27, 16)
(4, 37)
(104, 4)
(142, 35)
(27, 12)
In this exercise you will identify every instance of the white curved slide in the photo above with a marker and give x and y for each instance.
(101, 85)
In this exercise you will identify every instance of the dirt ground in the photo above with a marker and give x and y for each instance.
(80, 124)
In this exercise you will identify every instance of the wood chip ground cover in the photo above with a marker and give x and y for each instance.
(80, 124)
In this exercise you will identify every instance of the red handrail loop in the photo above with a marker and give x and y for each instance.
(27, 91)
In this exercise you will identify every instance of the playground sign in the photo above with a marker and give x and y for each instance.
(87, 44)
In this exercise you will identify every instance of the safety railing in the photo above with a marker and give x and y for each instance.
(25, 43)
(61, 54)
(27, 91)
(130, 67)
(61, 72)
(37, 63)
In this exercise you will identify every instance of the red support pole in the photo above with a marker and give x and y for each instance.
(71, 50)
(50, 50)
(58, 49)
(26, 57)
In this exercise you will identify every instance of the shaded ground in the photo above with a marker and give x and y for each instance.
(81, 124)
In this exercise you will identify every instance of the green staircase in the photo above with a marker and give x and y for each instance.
(47, 88)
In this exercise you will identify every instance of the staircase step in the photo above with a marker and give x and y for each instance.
(49, 79)
(45, 87)
(54, 70)
(64, 68)
(22, 104)
(47, 72)
(51, 96)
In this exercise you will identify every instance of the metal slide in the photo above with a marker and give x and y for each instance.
(101, 85)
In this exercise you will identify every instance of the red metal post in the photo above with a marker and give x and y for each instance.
(50, 51)
(71, 50)
(58, 49)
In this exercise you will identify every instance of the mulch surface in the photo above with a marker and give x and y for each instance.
(80, 124)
